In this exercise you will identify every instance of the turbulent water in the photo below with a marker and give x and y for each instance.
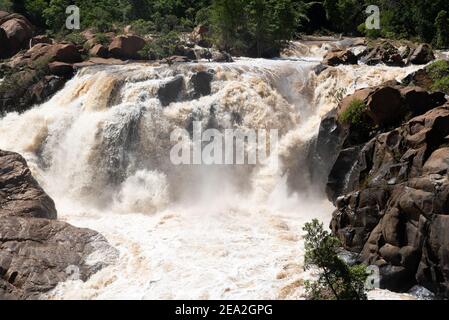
(100, 148)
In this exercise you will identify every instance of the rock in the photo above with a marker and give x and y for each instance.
(419, 101)
(176, 59)
(419, 78)
(335, 58)
(391, 196)
(171, 91)
(422, 55)
(4, 48)
(220, 56)
(64, 52)
(383, 53)
(421, 293)
(61, 69)
(187, 52)
(126, 47)
(37, 254)
(18, 31)
(20, 194)
(201, 83)
(36, 251)
(384, 106)
(40, 39)
(99, 51)
(319, 68)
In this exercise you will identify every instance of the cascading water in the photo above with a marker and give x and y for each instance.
(101, 146)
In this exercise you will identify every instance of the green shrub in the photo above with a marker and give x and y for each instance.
(75, 38)
(336, 280)
(438, 69)
(441, 85)
(143, 27)
(439, 73)
(354, 113)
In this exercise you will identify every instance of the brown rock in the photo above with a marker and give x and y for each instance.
(438, 162)
(126, 47)
(384, 106)
(99, 51)
(64, 52)
(40, 39)
(422, 55)
(20, 194)
(335, 58)
(61, 69)
(19, 31)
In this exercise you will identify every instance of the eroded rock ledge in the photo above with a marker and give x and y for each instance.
(391, 189)
(36, 251)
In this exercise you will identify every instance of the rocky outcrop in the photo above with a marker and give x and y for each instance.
(126, 47)
(36, 251)
(391, 190)
(422, 55)
(384, 53)
(201, 84)
(337, 57)
(20, 194)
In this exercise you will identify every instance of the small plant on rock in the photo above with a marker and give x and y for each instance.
(354, 113)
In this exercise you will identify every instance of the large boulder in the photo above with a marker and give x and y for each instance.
(20, 194)
(40, 39)
(384, 106)
(422, 55)
(18, 31)
(337, 57)
(221, 56)
(126, 47)
(201, 84)
(36, 251)
(171, 91)
(64, 52)
(37, 254)
(100, 51)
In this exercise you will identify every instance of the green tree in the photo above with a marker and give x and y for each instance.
(6, 5)
(336, 280)
(442, 30)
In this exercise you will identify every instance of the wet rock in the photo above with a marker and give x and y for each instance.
(221, 56)
(335, 58)
(176, 59)
(383, 53)
(126, 47)
(201, 83)
(37, 254)
(171, 91)
(36, 251)
(422, 55)
(20, 194)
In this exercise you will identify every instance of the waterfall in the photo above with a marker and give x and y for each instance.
(100, 147)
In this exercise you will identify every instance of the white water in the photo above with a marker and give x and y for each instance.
(100, 149)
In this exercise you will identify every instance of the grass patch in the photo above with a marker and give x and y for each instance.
(354, 113)
(439, 73)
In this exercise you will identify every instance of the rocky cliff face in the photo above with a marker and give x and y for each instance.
(391, 186)
(36, 251)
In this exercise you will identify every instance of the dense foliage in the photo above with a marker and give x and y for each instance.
(255, 27)
(336, 280)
